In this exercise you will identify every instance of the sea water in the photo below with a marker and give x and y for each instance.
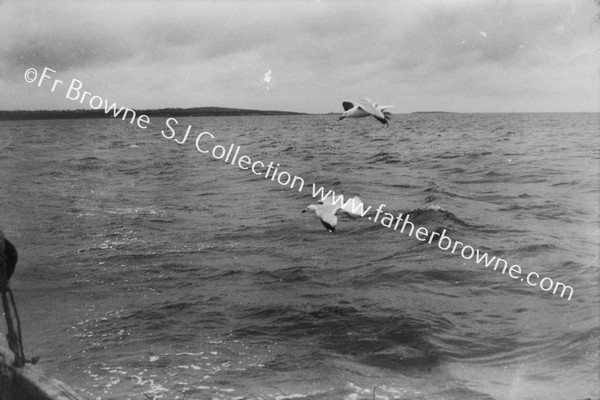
(149, 269)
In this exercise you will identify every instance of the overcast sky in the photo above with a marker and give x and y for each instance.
(308, 56)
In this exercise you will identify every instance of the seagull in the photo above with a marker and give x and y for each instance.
(326, 210)
(364, 108)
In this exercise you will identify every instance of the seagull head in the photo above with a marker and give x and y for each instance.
(310, 207)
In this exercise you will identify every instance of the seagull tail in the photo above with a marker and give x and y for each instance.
(387, 114)
(386, 117)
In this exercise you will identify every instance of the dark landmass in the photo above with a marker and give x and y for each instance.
(162, 112)
(433, 112)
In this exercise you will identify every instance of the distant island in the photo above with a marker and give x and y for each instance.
(162, 112)
(433, 112)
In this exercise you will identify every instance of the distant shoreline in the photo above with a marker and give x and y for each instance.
(162, 112)
(434, 112)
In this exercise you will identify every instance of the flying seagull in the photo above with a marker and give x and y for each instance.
(326, 210)
(364, 108)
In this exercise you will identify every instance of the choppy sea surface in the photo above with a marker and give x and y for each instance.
(150, 270)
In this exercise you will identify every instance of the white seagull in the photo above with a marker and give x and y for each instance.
(365, 107)
(326, 210)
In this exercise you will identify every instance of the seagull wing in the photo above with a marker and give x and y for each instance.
(328, 218)
(372, 108)
(354, 208)
(348, 105)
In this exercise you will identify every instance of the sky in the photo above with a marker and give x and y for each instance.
(305, 56)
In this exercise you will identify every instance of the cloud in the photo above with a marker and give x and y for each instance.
(61, 37)
(181, 54)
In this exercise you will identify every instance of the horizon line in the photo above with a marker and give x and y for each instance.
(233, 109)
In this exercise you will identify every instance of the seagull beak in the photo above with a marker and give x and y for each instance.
(341, 118)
